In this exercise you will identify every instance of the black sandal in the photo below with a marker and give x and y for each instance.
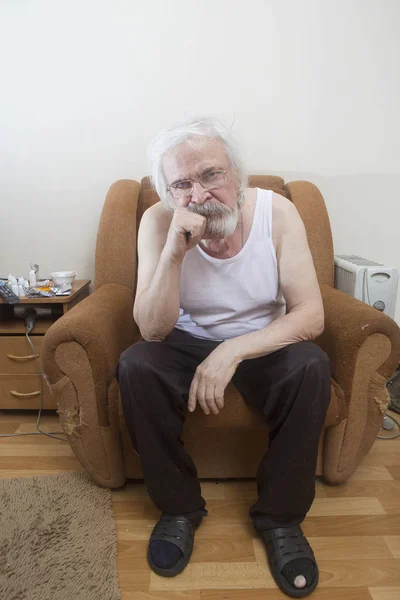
(175, 530)
(284, 544)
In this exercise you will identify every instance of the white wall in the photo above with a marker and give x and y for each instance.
(312, 87)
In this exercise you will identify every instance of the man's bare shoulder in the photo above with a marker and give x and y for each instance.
(284, 214)
(281, 206)
(157, 218)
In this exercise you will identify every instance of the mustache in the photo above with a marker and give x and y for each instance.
(210, 209)
(221, 220)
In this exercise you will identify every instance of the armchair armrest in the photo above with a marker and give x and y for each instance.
(364, 347)
(80, 353)
(348, 324)
(102, 324)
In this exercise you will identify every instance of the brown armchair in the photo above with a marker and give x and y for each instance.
(82, 348)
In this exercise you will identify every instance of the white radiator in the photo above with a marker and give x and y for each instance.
(368, 281)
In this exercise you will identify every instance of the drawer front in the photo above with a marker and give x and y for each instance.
(16, 354)
(23, 391)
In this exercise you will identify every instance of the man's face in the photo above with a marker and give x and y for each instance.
(193, 161)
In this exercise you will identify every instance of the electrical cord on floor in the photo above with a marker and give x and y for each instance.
(390, 437)
(30, 322)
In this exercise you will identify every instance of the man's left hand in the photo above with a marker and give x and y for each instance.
(211, 378)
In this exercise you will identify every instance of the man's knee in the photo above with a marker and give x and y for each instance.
(310, 363)
(141, 356)
(314, 369)
(309, 356)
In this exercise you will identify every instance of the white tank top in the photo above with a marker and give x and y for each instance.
(225, 298)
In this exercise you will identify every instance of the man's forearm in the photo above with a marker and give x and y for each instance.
(295, 326)
(157, 310)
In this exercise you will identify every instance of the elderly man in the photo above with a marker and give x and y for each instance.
(226, 291)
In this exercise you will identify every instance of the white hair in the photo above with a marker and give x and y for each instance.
(207, 127)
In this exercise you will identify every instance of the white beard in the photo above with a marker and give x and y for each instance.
(221, 220)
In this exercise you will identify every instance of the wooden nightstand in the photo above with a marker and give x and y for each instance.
(19, 381)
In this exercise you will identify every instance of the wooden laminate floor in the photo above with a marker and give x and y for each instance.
(353, 528)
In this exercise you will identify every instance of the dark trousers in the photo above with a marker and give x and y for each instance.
(291, 390)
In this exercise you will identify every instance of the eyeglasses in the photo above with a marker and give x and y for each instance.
(210, 180)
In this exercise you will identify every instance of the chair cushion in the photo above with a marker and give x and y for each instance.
(238, 415)
(147, 197)
(269, 182)
(216, 442)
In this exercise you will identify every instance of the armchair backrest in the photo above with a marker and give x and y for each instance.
(127, 200)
